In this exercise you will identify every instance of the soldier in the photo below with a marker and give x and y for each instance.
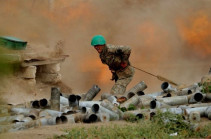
(117, 59)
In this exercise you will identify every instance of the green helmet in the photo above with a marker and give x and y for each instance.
(98, 40)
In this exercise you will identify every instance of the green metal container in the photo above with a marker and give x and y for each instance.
(12, 43)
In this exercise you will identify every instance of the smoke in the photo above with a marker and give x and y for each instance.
(167, 37)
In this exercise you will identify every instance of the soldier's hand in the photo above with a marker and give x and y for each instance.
(124, 64)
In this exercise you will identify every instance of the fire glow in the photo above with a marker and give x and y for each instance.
(197, 32)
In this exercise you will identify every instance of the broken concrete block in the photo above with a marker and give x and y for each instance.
(50, 77)
(50, 68)
(29, 72)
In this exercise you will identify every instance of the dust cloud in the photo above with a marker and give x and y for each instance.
(168, 38)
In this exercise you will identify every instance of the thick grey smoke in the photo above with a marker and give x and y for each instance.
(159, 33)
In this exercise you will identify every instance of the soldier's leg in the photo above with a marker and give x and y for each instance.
(119, 87)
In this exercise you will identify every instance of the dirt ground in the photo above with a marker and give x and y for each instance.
(44, 132)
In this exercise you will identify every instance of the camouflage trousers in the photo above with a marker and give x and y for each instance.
(120, 85)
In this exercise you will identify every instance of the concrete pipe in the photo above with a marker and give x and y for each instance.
(35, 104)
(196, 97)
(137, 114)
(145, 101)
(51, 113)
(155, 94)
(64, 95)
(173, 110)
(166, 87)
(156, 104)
(25, 111)
(92, 93)
(48, 120)
(110, 98)
(64, 119)
(85, 110)
(184, 92)
(17, 126)
(78, 117)
(90, 118)
(43, 103)
(176, 100)
(95, 108)
(199, 109)
(34, 114)
(74, 101)
(55, 98)
(195, 116)
(27, 119)
(70, 119)
(105, 96)
(199, 105)
(189, 90)
(137, 88)
(88, 103)
(140, 93)
(103, 117)
(11, 119)
(108, 105)
(132, 101)
(112, 115)
(208, 112)
(64, 101)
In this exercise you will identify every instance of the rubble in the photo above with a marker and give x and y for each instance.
(192, 102)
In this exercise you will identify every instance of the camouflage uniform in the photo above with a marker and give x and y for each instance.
(113, 56)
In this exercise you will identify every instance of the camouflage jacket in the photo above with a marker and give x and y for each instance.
(114, 55)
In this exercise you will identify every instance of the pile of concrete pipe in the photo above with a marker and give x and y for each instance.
(189, 102)
(60, 108)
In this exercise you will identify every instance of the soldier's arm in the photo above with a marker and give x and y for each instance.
(120, 49)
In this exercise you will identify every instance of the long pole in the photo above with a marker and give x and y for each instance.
(157, 76)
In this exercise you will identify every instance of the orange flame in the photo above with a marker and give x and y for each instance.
(103, 73)
(197, 32)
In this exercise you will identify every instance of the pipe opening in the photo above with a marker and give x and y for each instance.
(153, 104)
(32, 116)
(152, 114)
(95, 108)
(78, 97)
(164, 85)
(70, 112)
(35, 104)
(64, 119)
(83, 110)
(168, 95)
(139, 116)
(15, 121)
(198, 97)
(43, 102)
(140, 93)
(131, 94)
(72, 98)
(93, 118)
(190, 92)
(58, 120)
